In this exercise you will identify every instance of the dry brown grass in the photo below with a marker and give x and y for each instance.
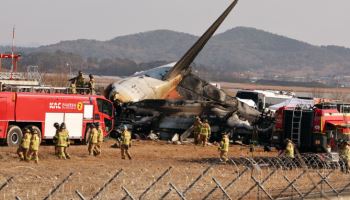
(150, 160)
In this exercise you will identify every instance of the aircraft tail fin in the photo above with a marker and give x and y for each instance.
(192, 53)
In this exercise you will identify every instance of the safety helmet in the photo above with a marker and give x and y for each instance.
(26, 130)
(63, 125)
(125, 127)
(56, 125)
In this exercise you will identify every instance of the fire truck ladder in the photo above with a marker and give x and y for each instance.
(296, 125)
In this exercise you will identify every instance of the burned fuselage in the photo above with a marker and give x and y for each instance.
(143, 100)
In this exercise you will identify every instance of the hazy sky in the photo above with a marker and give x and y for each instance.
(319, 22)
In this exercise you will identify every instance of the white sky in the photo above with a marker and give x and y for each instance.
(319, 22)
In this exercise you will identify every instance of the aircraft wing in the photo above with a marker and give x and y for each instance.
(183, 64)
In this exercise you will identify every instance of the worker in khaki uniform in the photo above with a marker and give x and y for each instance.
(80, 83)
(197, 129)
(57, 127)
(62, 141)
(223, 148)
(91, 85)
(93, 139)
(34, 146)
(64, 129)
(345, 155)
(73, 86)
(23, 148)
(205, 133)
(98, 147)
(125, 143)
(289, 151)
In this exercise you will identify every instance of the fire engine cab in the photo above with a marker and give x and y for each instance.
(316, 129)
(41, 110)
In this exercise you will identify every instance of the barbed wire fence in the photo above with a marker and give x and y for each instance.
(240, 178)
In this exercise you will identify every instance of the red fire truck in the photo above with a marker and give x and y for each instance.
(41, 110)
(313, 129)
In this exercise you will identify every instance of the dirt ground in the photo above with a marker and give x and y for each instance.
(149, 160)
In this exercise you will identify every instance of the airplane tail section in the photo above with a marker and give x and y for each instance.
(184, 63)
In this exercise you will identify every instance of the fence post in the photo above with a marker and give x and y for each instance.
(58, 186)
(228, 185)
(156, 181)
(197, 179)
(107, 183)
(317, 184)
(177, 191)
(128, 194)
(6, 182)
(80, 195)
(221, 188)
(290, 183)
(252, 187)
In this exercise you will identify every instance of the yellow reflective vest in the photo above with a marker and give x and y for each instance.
(289, 150)
(35, 143)
(205, 129)
(93, 136)
(345, 153)
(126, 138)
(225, 142)
(62, 139)
(26, 140)
(100, 135)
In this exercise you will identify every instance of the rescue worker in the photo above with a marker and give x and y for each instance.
(205, 132)
(23, 148)
(64, 129)
(197, 129)
(62, 142)
(73, 86)
(80, 83)
(125, 142)
(91, 85)
(223, 148)
(98, 147)
(289, 151)
(34, 146)
(345, 155)
(57, 127)
(93, 139)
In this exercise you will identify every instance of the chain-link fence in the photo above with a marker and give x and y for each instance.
(240, 178)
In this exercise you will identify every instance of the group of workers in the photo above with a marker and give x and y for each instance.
(95, 139)
(201, 131)
(201, 135)
(78, 84)
(29, 146)
(61, 141)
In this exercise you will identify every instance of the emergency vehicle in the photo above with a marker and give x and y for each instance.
(316, 128)
(41, 110)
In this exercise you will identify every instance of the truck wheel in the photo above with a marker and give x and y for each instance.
(14, 135)
(35, 128)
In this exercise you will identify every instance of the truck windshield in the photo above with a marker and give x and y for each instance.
(105, 107)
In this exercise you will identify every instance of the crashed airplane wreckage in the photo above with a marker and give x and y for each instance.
(144, 100)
